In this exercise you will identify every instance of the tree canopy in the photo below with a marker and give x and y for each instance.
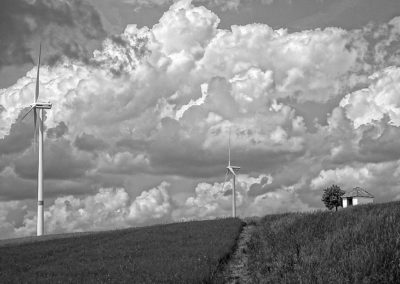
(332, 197)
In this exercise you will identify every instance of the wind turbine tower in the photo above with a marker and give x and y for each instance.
(38, 116)
(231, 170)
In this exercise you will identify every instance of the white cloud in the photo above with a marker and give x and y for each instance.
(160, 101)
(170, 62)
(378, 178)
(153, 204)
(380, 99)
(346, 176)
(324, 55)
(198, 102)
(185, 29)
(215, 200)
(108, 209)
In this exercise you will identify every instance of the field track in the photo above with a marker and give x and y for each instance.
(236, 270)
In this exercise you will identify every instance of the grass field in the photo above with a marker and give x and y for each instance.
(354, 245)
(188, 252)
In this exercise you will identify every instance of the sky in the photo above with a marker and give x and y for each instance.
(146, 92)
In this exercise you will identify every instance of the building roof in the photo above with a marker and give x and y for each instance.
(358, 192)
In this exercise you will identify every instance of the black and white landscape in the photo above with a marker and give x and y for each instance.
(203, 141)
(144, 94)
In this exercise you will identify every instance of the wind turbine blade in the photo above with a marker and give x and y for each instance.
(35, 120)
(27, 113)
(232, 171)
(37, 76)
(226, 178)
(229, 148)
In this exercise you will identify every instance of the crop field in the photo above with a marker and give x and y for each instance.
(354, 245)
(190, 252)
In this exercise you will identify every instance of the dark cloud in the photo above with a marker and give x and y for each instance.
(190, 161)
(89, 143)
(282, 177)
(260, 161)
(3, 163)
(384, 148)
(19, 138)
(60, 162)
(13, 187)
(131, 144)
(187, 158)
(65, 28)
(259, 188)
(219, 99)
(58, 131)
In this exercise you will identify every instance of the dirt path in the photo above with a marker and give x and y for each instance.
(236, 270)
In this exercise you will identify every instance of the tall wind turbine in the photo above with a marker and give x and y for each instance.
(231, 170)
(38, 115)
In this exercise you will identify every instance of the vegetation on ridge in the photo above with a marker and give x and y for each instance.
(332, 197)
(360, 244)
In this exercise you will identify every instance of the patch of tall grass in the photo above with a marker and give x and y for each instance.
(360, 244)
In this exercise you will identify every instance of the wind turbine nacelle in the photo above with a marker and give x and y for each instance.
(232, 169)
(47, 105)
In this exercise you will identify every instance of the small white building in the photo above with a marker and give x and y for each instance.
(357, 196)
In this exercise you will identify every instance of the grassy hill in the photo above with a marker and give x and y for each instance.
(188, 252)
(354, 245)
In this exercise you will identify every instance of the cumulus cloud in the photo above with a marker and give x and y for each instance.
(195, 58)
(346, 176)
(379, 179)
(325, 55)
(110, 208)
(114, 208)
(379, 100)
(90, 101)
(215, 200)
(160, 103)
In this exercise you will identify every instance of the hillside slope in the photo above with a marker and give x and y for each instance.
(176, 253)
(354, 245)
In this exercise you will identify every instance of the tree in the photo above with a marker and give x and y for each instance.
(332, 197)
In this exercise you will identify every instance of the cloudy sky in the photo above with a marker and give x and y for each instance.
(144, 93)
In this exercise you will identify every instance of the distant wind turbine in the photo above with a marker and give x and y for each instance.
(231, 170)
(38, 115)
